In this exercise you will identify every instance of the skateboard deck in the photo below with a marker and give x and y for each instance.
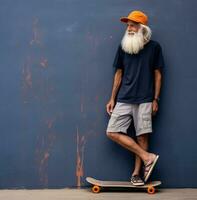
(98, 185)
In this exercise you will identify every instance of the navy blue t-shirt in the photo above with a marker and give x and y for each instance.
(137, 84)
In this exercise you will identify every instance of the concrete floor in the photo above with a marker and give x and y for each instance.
(86, 194)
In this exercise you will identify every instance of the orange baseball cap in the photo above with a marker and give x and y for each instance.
(136, 16)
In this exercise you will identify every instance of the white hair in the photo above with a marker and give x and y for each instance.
(146, 32)
(133, 43)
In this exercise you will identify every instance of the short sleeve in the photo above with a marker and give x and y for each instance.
(158, 61)
(118, 60)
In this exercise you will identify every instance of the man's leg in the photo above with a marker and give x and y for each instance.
(142, 140)
(119, 122)
(128, 143)
(142, 115)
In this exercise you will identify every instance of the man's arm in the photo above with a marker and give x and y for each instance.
(157, 83)
(116, 84)
(158, 78)
(115, 88)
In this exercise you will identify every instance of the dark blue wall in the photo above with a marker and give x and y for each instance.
(56, 77)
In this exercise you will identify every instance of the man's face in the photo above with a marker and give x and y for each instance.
(133, 40)
(132, 27)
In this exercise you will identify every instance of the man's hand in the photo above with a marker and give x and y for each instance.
(155, 107)
(110, 106)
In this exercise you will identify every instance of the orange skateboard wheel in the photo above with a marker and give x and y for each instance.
(96, 189)
(151, 190)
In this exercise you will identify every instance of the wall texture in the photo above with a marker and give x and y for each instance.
(56, 76)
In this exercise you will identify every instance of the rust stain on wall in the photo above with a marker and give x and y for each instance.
(27, 75)
(44, 62)
(35, 86)
(45, 143)
(50, 122)
(43, 167)
(80, 157)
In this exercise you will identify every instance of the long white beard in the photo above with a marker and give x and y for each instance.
(133, 43)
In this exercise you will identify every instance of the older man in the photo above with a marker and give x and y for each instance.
(138, 65)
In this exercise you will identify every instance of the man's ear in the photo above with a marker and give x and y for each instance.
(144, 31)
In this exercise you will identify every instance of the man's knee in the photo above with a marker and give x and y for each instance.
(111, 135)
(142, 138)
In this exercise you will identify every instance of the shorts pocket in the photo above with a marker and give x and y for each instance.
(114, 118)
(146, 121)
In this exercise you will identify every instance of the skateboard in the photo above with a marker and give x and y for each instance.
(98, 185)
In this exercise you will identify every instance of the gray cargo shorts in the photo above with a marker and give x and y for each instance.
(123, 113)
